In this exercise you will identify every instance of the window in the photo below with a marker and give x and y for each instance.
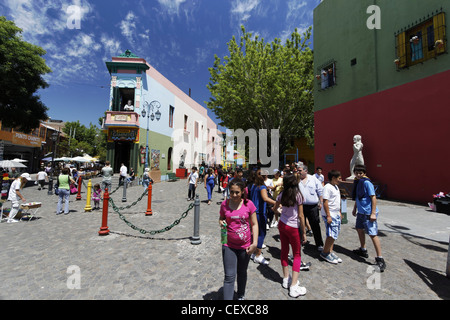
(196, 130)
(327, 75)
(42, 131)
(121, 97)
(422, 42)
(171, 112)
(185, 122)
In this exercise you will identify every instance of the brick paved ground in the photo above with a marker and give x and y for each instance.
(37, 255)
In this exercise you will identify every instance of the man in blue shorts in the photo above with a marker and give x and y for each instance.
(366, 213)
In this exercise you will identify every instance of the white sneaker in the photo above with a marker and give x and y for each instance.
(339, 260)
(260, 260)
(296, 291)
(286, 282)
(12, 221)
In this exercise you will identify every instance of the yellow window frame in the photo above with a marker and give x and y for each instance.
(403, 44)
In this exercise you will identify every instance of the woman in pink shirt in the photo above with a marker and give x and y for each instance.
(238, 215)
(291, 219)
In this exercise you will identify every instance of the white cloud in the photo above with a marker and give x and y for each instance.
(128, 27)
(39, 18)
(82, 45)
(171, 6)
(241, 9)
(111, 46)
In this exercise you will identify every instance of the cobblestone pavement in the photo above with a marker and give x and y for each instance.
(42, 258)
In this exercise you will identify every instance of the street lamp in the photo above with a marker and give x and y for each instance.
(151, 107)
(54, 138)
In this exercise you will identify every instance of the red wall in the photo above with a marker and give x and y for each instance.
(406, 137)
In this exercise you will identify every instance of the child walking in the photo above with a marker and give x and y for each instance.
(291, 220)
(97, 196)
(331, 213)
(193, 180)
(366, 212)
(238, 216)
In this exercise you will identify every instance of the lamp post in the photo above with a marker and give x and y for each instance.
(150, 115)
(54, 137)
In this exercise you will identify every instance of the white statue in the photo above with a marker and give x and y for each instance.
(357, 155)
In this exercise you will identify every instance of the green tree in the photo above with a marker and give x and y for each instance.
(21, 71)
(81, 140)
(265, 86)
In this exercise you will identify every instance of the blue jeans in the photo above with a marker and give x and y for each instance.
(235, 264)
(63, 194)
(262, 221)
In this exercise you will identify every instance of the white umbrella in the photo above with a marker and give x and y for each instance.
(89, 158)
(65, 159)
(80, 159)
(19, 160)
(11, 164)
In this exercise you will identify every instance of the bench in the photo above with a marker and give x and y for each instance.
(172, 176)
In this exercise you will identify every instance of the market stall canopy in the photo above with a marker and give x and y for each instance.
(65, 159)
(89, 158)
(80, 159)
(11, 164)
(19, 160)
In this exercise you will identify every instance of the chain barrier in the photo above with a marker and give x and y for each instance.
(143, 231)
(131, 205)
(152, 232)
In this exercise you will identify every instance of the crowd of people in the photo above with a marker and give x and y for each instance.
(297, 203)
(291, 199)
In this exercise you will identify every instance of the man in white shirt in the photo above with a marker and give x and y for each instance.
(312, 190)
(41, 177)
(123, 173)
(129, 106)
(14, 195)
(107, 173)
(193, 180)
(319, 176)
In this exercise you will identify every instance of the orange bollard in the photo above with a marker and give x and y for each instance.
(79, 188)
(149, 205)
(104, 231)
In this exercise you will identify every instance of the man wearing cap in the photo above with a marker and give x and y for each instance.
(15, 194)
(312, 190)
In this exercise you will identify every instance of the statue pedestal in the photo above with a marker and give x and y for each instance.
(181, 173)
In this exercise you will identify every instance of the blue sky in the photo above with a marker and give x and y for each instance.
(177, 37)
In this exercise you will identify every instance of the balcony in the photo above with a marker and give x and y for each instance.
(121, 119)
